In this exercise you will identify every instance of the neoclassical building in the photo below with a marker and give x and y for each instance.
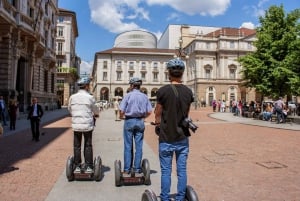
(27, 49)
(210, 55)
(67, 61)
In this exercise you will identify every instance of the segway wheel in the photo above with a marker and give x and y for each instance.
(70, 168)
(149, 195)
(146, 171)
(191, 194)
(97, 168)
(118, 173)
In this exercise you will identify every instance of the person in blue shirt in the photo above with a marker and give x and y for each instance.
(134, 108)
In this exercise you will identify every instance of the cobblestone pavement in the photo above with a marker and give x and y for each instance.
(228, 161)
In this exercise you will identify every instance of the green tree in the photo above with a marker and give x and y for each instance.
(274, 68)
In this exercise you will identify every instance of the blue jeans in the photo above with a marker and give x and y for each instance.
(166, 151)
(3, 117)
(133, 130)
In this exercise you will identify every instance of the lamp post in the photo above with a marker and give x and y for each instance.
(182, 55)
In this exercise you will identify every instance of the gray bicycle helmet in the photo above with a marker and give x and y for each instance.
(175, 67)
(135, 81)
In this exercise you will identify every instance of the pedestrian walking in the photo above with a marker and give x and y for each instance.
(173, 105)
(35, 113)
(279, 105)
(3, 111)
(134, 107)
(117, 109)
(83, 109)
(12, 111)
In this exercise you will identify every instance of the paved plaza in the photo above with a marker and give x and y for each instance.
(231, 159)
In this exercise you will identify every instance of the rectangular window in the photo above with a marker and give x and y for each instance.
(60, 31)
(59, 63)
(155, 77)
(143, 64)
(249, 46)
(119, 64)
(208, 45)
(104, 64)
(232, 44)
(104, 76)
(131, 65)
(119, 76)
(130, 75)
(52, 82)
(143, 76)
(45, 81)
(60, 19)
(59, 48)
(166, 77)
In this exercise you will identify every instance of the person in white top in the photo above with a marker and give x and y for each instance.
(83, 109)
(117, 109)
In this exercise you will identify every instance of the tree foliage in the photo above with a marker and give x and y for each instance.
(274, 68)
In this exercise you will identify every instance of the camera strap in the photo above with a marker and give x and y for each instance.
(177, 98)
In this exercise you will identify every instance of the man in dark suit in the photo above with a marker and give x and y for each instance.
(35, 114)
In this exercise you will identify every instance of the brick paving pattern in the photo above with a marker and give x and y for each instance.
(227, 161)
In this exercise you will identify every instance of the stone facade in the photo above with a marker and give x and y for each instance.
(212, 70)
(67, 62)
(27, 49)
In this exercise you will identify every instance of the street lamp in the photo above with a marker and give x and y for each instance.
(195, 87)
(182, 55)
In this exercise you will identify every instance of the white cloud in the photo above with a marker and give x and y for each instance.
(173, 16)
(194, 7)
(248, 25)
(86, 67)
(256, 10)
(118, 16)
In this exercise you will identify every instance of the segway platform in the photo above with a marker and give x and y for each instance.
(132, 178)
(190, 195)
(96, 174)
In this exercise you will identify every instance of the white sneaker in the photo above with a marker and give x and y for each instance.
(89, 170)
(77, 170)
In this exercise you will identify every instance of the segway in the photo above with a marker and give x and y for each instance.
(96, 174)
(132, 179)
(190, 195)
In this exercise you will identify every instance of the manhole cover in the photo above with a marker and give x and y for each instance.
(113, 139)
(271, 164)
(218, 159)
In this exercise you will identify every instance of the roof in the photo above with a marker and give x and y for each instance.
(138, 50)
(226, 31)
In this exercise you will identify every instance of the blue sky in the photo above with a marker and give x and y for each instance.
(100, 21)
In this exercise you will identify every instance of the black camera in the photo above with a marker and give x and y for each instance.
(188, 123)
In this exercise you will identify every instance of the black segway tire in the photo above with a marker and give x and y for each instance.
(146, 171)
(191, 194)
(149, 195)
(118, 173)
(97, 168)
(70, 168)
